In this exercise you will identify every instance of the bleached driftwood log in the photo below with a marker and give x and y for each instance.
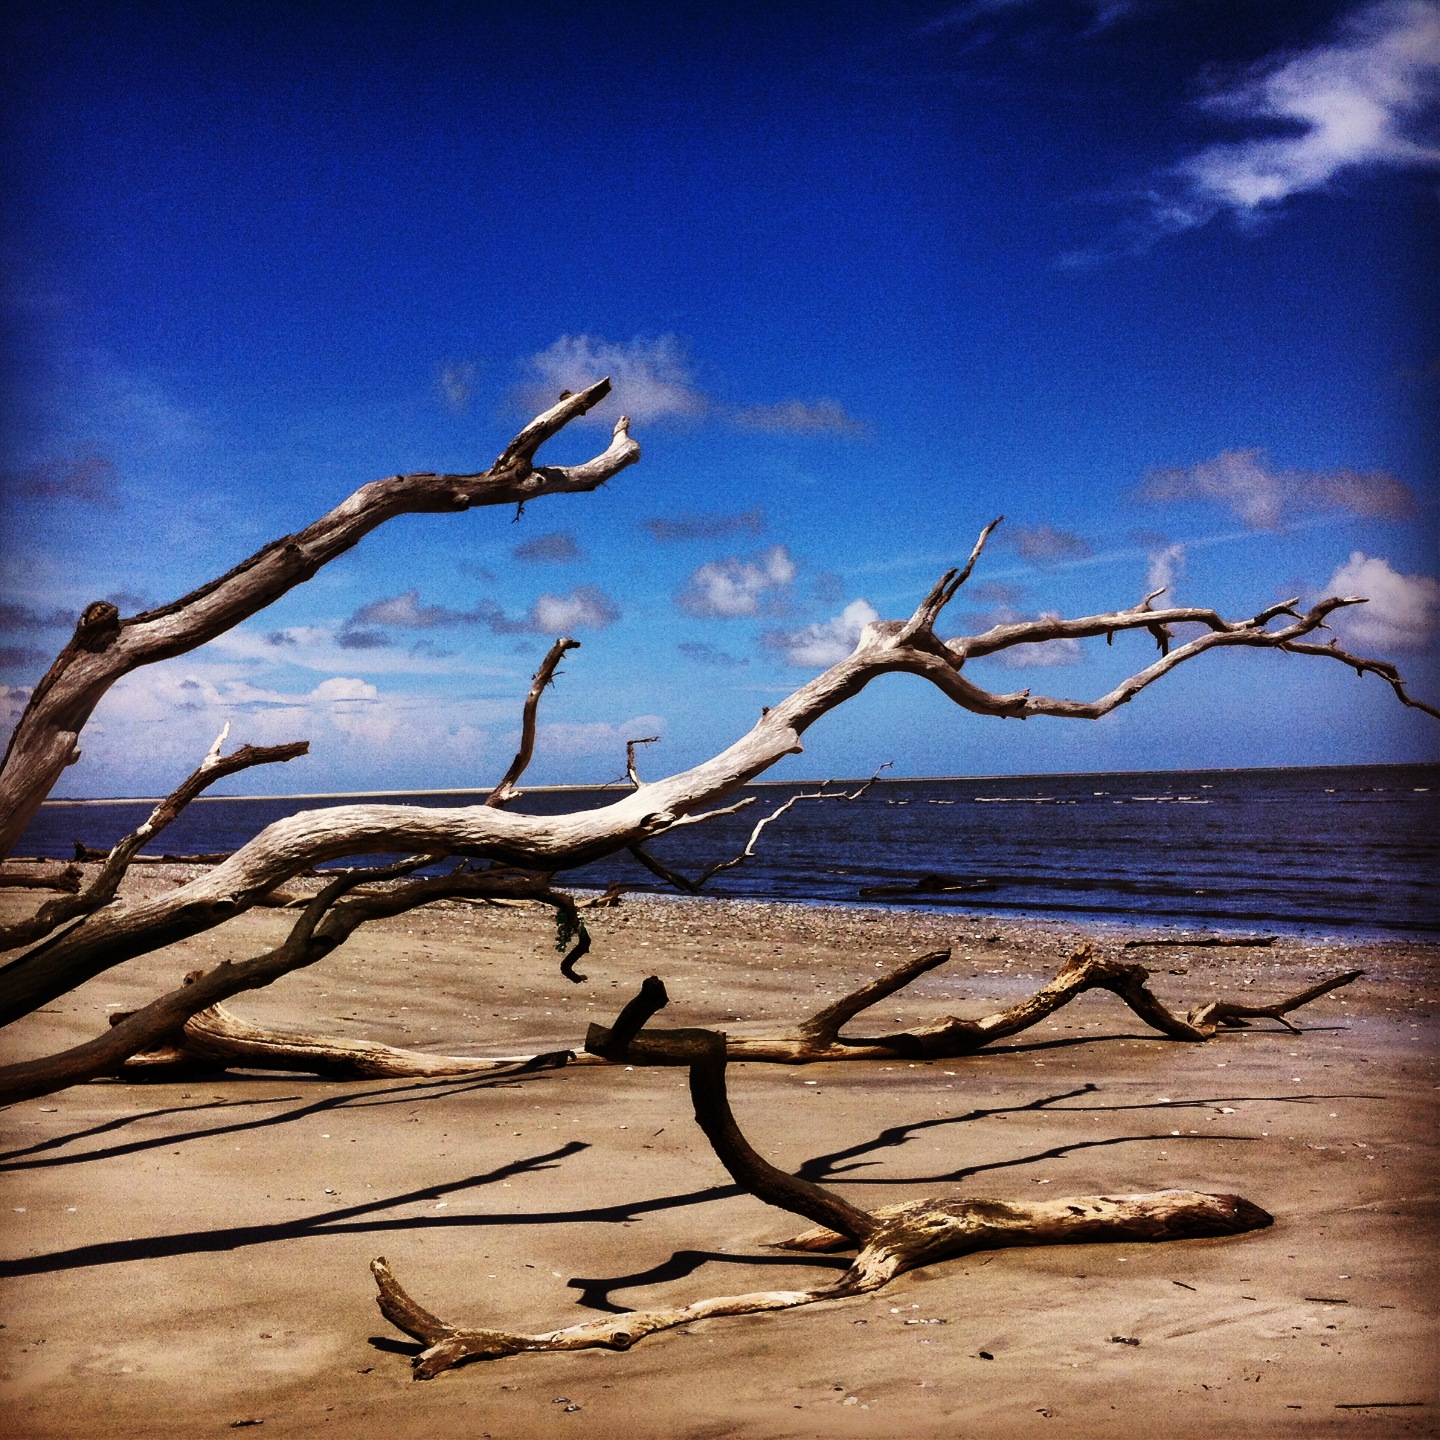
(888, 1241)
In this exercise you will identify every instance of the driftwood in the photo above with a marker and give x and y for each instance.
(67, 880)
(218, 1039)
(1227, 942)
(545, 845)
(106, 647)
(214, 1038)
(888, 1241)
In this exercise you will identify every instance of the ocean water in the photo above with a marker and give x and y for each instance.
(1350, 850)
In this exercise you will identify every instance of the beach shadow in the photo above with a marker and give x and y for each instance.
(405, 1093)
(343, 1221)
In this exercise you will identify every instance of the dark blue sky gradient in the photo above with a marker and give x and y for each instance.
(248, 239)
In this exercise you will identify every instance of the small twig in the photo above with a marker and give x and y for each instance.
(505, 791)
(693, 887)
(104, 887)
(631, 772)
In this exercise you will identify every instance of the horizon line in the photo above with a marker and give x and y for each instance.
(837, 780)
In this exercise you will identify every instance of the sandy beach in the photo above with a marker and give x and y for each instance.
(181, 1259)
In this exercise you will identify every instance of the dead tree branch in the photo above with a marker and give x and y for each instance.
(505, 791)
(819, 1037)
(104, 887)
(105, 646)
(693, 887)
(549, 844)
(889, 1241)
(326, 922)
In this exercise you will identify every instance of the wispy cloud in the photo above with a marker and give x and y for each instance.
(1363, 101)
(456, 383)
(724, 589)
(675, 528)
(651, 378)
(557, 548)
(1101, 14)
(825, 643)
(1046, 544)
(1265, 498)
(800, 417)
(1165, 569)
(86, 477)
(1403, 612)
(584, 607)
(22, 657)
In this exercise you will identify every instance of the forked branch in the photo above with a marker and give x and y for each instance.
(106, 646)
(548, 845)
(103, 888)
(890, 1241)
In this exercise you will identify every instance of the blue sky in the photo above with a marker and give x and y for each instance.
(1148, 278)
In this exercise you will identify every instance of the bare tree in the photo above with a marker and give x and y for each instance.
(501, 855)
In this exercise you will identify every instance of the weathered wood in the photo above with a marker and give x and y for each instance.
(890, 1240)
(106, 647)
(548, 844)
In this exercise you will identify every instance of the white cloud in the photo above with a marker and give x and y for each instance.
(569, 738)
(651, 378)
(1357, 103)
(584, 607)
(1264, 498)
(1165, 568)
(1403, 612)
(723, 589)
(825, 643)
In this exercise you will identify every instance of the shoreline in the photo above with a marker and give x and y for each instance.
(622, 786)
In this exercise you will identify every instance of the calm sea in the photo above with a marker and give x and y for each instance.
(1348, 850)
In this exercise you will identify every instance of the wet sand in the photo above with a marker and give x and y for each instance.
(179, 1258)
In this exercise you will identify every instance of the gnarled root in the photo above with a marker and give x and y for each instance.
(889, 1241)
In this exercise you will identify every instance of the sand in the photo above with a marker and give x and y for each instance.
(181, 1259)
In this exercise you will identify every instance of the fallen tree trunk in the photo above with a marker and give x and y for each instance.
(889, 1241)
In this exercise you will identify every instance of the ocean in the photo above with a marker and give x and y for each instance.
(1348, 850)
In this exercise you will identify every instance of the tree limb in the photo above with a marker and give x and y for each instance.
(105, 646)
(505, 791)
(890, 1240)
(103, 888)
(551, 844)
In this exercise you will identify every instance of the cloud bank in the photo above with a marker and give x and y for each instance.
(1265, 498)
